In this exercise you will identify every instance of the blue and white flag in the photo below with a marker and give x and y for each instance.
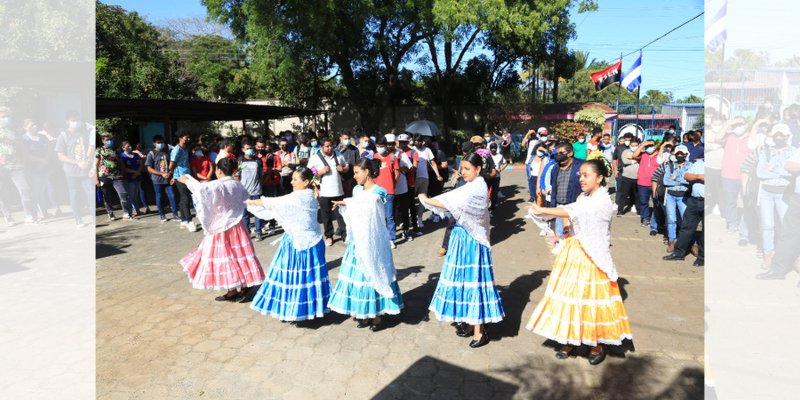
(633, 78)
(716, 32)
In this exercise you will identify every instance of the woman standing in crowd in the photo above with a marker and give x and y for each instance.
(225, 258)
(582, 304)
(367, 287)
(466, 293)
(676, 190)
(297, 286)
(133, 178)
(109, 172)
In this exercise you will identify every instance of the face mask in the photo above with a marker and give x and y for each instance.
(250, 152)
(780, 142)
(680, 159)
(32, 128)
(314, 143)
(560, 158)
(345, 142)
(198, 153)
(540, 153)
(487, 139)
(74, 124)
(284, 147)
(128, 149)
(289, 137)
(627, 143)
(381, 150)
(650, 149)
(673, 158)
(633, 148)
(582, 140)
(109, 143)
(262, 151)
(739, 130)
(159, 146)
(769, 142)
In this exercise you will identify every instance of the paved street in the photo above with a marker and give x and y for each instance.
(159, 338)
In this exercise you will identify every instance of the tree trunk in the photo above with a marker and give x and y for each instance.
(555, 86)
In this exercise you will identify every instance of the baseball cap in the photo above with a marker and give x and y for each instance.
(402, 138)
(390, 137)
(541, 130)
(681, 149)
(780, 128)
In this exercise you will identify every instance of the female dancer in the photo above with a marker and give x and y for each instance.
(582, 303)
(466, 293)
(225, 258)
(296, 287)
(366, 288)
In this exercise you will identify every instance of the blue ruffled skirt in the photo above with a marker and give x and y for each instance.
(297, 286)
(353, 295)
(466, 290)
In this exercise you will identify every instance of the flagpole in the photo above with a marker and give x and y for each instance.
(619, 88)
(721, 81)
(638, 94)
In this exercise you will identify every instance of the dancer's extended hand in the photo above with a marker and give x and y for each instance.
(254, 203)
(338, 203)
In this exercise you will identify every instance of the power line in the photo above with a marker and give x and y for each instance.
(670, 31)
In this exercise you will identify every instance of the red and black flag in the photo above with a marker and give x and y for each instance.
(606, 77)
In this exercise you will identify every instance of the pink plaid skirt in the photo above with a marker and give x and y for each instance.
(224, 260)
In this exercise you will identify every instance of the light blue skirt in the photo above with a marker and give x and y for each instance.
(466, 290)
(352, 295)
(296, 287)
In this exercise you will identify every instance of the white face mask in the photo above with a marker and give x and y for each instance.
(633, 148)
(739, 130)
(627, 143)
(650, 150)
(582, 140)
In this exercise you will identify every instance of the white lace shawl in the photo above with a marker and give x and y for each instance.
(366, 227)
(219, 203)
(469, 205)
(297, 214)
(591, 221)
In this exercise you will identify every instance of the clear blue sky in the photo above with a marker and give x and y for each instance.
(674, 63)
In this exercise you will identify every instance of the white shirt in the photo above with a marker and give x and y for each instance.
(531, 145)
(424, 160)
(330, 184)
(401, 186)
(499, 160)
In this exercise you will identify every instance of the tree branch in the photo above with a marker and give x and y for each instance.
(466, 47)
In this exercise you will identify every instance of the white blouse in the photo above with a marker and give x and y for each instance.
(296, 212)
(591, 224)
(469, 205)
(219, 203)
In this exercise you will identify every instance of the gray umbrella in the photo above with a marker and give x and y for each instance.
(423, 128)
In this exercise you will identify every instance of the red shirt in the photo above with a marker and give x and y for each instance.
(736, 150)
(201, 165)
(412, 175)
(389, 164)
(272, 174)
(648, 163)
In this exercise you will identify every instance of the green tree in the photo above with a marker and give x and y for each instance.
(131, 61)
(592, 117)
(690, 99)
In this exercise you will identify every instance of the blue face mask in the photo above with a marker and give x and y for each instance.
(381, 150)
(159, 146)
(109, 143)
(314, 143)
(346, 142)
(250, 152)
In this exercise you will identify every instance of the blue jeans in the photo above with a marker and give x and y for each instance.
(134, 189)
(170, 196)
(388, 208)
(728, 204)
(247, 217)
(768, 204)
(81, 195)
(676, 205)
(645, 211)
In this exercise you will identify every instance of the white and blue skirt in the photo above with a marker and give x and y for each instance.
(297, 286)
(353, 295)
(466, 290)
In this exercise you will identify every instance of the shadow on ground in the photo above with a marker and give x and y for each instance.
(515, 297)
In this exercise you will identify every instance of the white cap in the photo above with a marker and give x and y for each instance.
(390, 137)
(782, 128)
(403, 138)
(681, 149)
(541, 130)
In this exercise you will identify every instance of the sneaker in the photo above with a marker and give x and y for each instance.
(259, 237)
(328, 242)
(111, 217)
(163, 220)
(436, 218)
(420, 225)
(416, 233)
(191, 227)
(392, 245)
(184, 224)
(81, 225)
(271, 232)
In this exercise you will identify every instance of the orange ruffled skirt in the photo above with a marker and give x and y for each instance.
(581, 305)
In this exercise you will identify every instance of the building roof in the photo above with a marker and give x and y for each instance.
(193, 110)
(686, 105)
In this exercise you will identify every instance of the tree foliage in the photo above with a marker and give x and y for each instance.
(592, 117)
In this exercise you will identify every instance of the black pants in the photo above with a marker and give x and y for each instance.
(692, 217)
(327, 214)
(411, 197)
(404, 209)
(451, 222)
(286, 185)
(713, 184)
(184, 202)
(787, 244)
(627, 193)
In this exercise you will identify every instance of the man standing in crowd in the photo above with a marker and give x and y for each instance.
(329, 166)
(250, 174)
(426, 159)
(411, 179)
(288, 162)
(350, 154)
(11, 165)
(696, 146)
(109, 169)
(157, 163)
(692, 217)
(628, 176)
(387, 178)
(607, 147)
(565, 180)
(579, 147)
(74, 150)
(178, 167)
